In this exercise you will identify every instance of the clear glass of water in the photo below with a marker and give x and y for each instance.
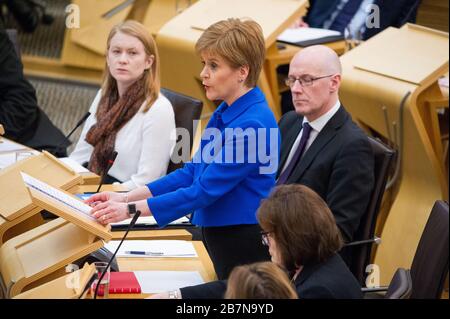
(103, 289)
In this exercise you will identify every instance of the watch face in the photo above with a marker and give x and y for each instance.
(131, 209)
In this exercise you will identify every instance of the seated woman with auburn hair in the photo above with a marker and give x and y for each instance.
(129, 114)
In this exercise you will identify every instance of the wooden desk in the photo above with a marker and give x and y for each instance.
(381, 86)
(202, 264)
(92, 188)
(162, 234)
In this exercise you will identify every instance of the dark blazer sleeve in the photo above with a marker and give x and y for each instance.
(319, 11)
(210, 290)
(286, 122)
(394, 14)
(19, 112)
(351, 183)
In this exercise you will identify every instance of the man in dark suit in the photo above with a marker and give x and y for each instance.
(20, 115)
(326, 13)
(321, 146)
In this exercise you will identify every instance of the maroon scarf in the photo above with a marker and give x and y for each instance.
(112, 114)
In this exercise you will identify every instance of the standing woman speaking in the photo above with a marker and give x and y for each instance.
(222, 191)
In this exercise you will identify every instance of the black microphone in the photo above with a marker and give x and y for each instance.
(108, 167)
(133, 221)
(80, 122)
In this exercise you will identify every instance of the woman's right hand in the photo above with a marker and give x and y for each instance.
(104, 197)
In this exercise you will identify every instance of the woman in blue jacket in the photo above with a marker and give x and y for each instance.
(235, 167)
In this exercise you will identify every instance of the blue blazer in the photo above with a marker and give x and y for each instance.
(231, 173)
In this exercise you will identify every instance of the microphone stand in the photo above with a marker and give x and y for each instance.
(110, 164)
(133, 221)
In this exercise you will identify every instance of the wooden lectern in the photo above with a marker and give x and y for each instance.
(180, 65)
(70, 286)
(17, 211)
(390, 87)
(41, 254)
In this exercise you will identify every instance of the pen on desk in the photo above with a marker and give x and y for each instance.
(147, 253)
(197, 28)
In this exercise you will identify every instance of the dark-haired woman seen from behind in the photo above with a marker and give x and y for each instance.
(303, 238)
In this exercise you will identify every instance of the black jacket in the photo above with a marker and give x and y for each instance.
(329, 280)
(20, 115)
(393, 13)
(338, 166)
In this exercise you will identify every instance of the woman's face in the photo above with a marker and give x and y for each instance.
(127, 59)
(221, 82)
(273, 249)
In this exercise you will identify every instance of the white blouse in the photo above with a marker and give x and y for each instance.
(144, 144)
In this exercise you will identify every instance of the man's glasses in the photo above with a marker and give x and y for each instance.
(265, 237)
(305, 80)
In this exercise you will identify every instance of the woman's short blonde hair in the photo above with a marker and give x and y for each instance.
(152, 77)
(239, 42)
(263, 280)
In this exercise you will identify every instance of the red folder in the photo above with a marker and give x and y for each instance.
(122, 283)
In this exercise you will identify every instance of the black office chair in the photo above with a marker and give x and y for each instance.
(186, 109)
(28, 14)
(360, 249)
(400, 287)
(430, 264)
(12, 35)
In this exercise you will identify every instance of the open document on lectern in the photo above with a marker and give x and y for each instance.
(71, 202)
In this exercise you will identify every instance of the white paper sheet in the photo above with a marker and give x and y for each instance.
(157, 248)
(74, 165)
(161, 281)
(9, 146)
(7, 159)
(150, 220)
(71, 202)
(305, 34)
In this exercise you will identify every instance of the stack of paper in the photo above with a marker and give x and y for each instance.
(74, 165)
(9, 146)
(150, 220)
(309, 36)
(50, 191)
(7, 159)
(160, 281)
(153, 248)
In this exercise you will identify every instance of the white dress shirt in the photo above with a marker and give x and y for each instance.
(143, 144)
(316, 126)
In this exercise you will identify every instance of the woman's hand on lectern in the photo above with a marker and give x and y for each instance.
(104, 197)
(110, 212)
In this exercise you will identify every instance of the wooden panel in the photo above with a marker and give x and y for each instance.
(162, 234)
(416, 53)
(434, 14)
(14, 198)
